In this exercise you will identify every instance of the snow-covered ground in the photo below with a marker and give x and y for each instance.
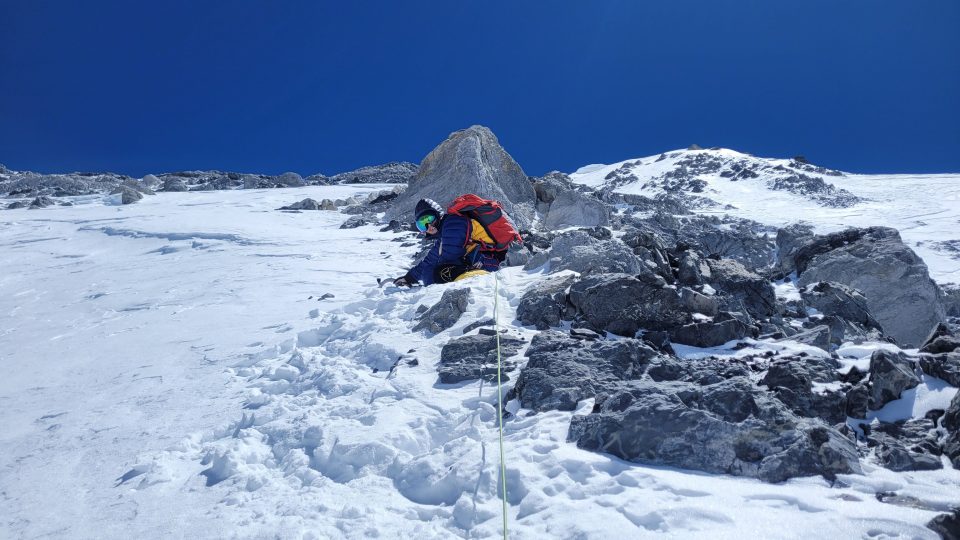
(169, 372)
(925, 208)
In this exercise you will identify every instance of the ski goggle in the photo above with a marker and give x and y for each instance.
(425, 220)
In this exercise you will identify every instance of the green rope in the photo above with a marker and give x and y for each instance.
(503, 466)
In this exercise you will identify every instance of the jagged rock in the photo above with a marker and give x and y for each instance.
(305, 204)
(789, 239)
(42, 202)
(695, 302)
(548, 186)
(446, 312)
(138, 186)
(622, 304)
(702, 371)
(710, 334)
(651, 250)
(890, 374)
(842, 330)
(174, 183)
(951, 418)
(574, 209)
(562, 370)
(580, 252)
(257, 181)
(747, 291)
(584, 333)
(470, 161)
(791, 381)
(395, 172)
(355, 221)
(946, 525)
(944, 366)
(517, 255)
(545, 304)
(818, 336)
(858, 401)
(940, 340)
(907, 446)
(951, 299)
(127, 194)
(17, 204)
(837, 299)
(894, 280)
(478, 324)
(730, 427)
(474, 357)
(693, 269)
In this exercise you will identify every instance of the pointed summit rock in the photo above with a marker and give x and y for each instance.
(470, 161)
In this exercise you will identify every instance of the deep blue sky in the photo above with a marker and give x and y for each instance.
(274, 86)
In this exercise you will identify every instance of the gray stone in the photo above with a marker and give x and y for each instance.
(138, 186)
(818, 336)
(574, 209)
(702, 371)
(890, 374)
(945, 366)
(289, 179)
(42, 202)
(941, 344)
(622, 304)
(951, 418)
(730, 427)
(710, 334)
(946, 525)
(693, 269)
(517, 255)
(789, 239)
(17, 204)
(747, 291)
(562, 370)
(545, 304)
(892, 278)
(907, 446)
(858, 401)
(837, 299)
(791, 381)
(128, 195)
(695, 302)
(305, 204)
(446, 312)
(474, 357)
(951, 448)
(580, 252)
(174, 183)
(470, 161)
(355, 221)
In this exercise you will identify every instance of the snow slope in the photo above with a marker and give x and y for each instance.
(924, 208)
(169, 372)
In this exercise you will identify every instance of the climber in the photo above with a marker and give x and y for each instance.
(472, 235)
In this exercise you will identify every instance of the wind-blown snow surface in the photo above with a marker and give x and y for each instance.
(924, 208)
(167, 375)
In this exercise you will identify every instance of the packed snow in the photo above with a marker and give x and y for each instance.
(177, 368)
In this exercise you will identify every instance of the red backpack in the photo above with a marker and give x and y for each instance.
(491, 217)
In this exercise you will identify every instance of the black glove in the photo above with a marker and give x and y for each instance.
(405, 281)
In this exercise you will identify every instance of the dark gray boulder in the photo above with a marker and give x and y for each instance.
(355, 221)
(858, 401)
(175, 183)
(730, 427)
(695, 302)
(475, 356)
(446, 312)
(907, 446)
(305, 204)
(127, 194)
(791, 380)
(702, 371)
(894, 280)
(746, 290)
(545, 304)
(890, 374)
(839, 300)
(789, 239)
(946, 525)
(622, 304)
(710, 334)
(941, 344)
(951, 418)
(693, 269)
(580, 252)
(42, 202)
(469, 161)
(17, 204)
(289, 179)
(945, 366)
(561, 370)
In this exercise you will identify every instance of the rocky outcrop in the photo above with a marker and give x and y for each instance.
(446, 312)
(746, 290)
(127, 195)
(562, 370)
(894, 280)
(305, 204)
(475, 357)
(395, 172)
(622, 304)
(470, 161)
(730, 427)
(791, 380)
(890, 374)
(545, 304)
(580, 252)
(789, 239)
(837, 299)
(710, 334)
(907, 446)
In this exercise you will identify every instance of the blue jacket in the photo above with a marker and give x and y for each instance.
(450, 247)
